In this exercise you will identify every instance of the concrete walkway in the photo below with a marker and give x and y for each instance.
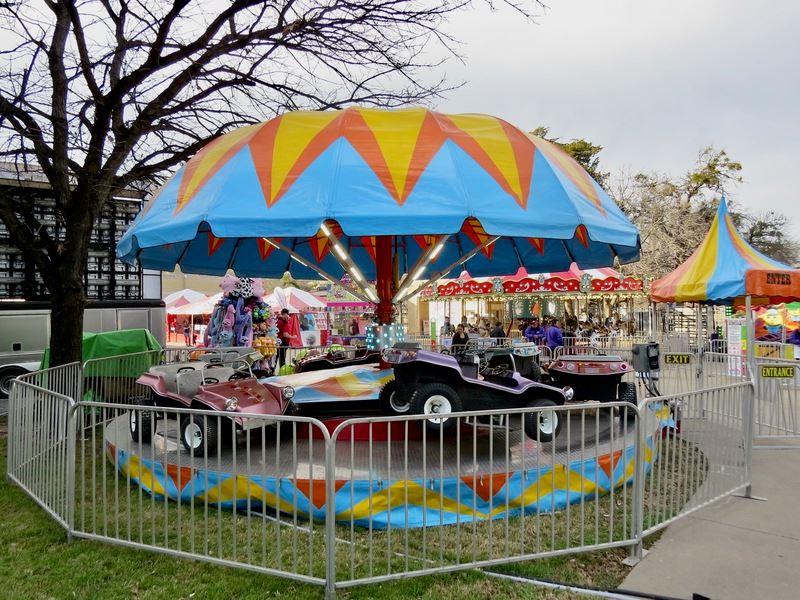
(737, 548)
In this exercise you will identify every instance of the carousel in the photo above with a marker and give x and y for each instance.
(600, 295)
(403, 199)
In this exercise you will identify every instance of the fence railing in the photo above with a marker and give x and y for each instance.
(41, 446)
(777, 412)
(227, 507)
(703, 458)
(376, 498)
(483, 495)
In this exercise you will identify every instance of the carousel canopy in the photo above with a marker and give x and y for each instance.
(723, 267)
(310, 192)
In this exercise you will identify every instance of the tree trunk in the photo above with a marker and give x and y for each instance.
(66, 317)
(68, 297)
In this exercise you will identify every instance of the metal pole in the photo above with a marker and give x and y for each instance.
(72, 425)
(330, 518)
(749, 426)
(700, 346)
(637, 550)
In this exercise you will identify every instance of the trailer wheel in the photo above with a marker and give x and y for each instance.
(436, 400)
(543, 426)
(8, 375)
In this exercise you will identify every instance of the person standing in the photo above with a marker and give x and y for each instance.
(187, 333)
(460, 339)
(497, 331)
(554, 337)
(284, 336)
(447, 328)
(534, 332)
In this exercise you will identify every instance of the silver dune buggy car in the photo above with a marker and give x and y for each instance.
(594, 377)
(433, 384)
(229, 387)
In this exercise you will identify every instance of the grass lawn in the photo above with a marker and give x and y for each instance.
(37, 562)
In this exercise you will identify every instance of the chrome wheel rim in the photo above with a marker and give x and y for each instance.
(437, 405)
(193, 435)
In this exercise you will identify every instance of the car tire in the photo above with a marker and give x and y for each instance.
(627, 393)
(436, 399)
(200, 434)
(141, 421)
(543, 426)
(392, 401)
(536, 372)
(8, 375)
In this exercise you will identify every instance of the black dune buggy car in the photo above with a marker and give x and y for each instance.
(429, 383)
(594, 377)
(335, 357)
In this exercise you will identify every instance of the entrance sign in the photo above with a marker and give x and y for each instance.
(777, 371)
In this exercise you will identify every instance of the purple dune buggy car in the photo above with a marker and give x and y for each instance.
(429, 383)
(210, 386)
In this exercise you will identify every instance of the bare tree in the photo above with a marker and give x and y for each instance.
(101, 95)
(674, 214)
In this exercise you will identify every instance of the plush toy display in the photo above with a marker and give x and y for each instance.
(239, 311)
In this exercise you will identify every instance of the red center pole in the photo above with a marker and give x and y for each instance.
(385, 278)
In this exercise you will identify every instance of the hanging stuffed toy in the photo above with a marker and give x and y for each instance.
(243, 327)
(226, 336)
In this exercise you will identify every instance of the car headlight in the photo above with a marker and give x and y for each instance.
(288, 392)
(231, 404)
(614, 366)
(569, 393)
(570, 366)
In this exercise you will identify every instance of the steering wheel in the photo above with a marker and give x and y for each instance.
(207, 380)
(239, 375)
(182, 369)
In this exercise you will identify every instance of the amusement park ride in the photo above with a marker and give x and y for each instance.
(402, 199)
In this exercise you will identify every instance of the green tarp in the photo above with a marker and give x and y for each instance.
(117, 343)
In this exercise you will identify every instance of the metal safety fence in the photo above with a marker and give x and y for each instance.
(376, 498)
(704, 457)
(41, 446)
(777, 402)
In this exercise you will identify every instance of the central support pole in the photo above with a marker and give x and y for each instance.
(385, 278)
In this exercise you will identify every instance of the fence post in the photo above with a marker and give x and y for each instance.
(72, 425)
(330, 518)
(749, 433)
(637, 550)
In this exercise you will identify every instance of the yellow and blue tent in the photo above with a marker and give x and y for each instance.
(724, 267)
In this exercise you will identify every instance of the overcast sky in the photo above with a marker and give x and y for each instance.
(652, 82)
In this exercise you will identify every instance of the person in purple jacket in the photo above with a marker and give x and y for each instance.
(553, 335)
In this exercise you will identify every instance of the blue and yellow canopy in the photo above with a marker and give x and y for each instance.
(723, 267)
(414, 174)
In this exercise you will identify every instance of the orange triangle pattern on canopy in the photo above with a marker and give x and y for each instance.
(723, 267)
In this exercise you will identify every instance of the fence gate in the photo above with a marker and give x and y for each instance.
(776, 415)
